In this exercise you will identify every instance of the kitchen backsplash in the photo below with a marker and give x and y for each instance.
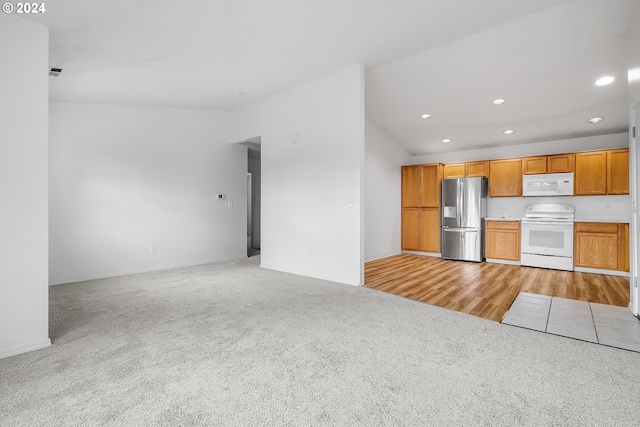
(588, 208)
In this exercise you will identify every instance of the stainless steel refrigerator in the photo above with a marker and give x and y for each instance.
(464, 208)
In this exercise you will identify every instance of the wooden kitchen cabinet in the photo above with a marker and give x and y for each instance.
(502, 240)
(456, 170)
(477, 169)
(421, 185)
(431, 185)
(421, 229)
(505, 178)
(421, 188)
(534, 165)
(602, 172)
(618, 171)
(468, 170)
(623, 247)
(601, 245)
(591, 173)
(561, 163)
(411, 229)
(411, 186)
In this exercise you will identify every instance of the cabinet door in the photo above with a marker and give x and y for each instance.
(623, 247)
(454, 170)
(505, 178)
(431, 177)
(430, 233)
(561, 163)
(618, 171)
(591, 173)
(411, 229)
(475, 169)
(533, 165)
(410, 186)
(596, 245)
(503, 240)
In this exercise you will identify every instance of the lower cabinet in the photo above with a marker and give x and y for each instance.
(421, 229)
(502, 240)
(601, 245)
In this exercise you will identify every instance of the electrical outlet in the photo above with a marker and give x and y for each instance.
(154, 249)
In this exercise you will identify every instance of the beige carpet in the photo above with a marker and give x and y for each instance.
(234, 345)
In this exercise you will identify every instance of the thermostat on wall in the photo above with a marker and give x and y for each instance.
(220, 196)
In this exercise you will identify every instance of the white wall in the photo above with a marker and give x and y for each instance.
(312, 139)
(383, 159)
(24, 295)
(124, 179)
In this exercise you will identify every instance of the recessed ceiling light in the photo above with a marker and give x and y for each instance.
(498, 101)
(595, 120)
(446, 140)
(237, 93)
(426, 116)
(603, 81)
(509, 132)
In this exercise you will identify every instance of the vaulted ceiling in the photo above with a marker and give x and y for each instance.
(447, 58)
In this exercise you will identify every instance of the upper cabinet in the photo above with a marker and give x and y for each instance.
(595, 173)
(468, 170)
(505, 178)
(455, 170)
(591, 173)
(421, 185)
(561, 163)
(410, 186)
(602, 172)
(431, 176)
(557, 163)
(475, 169)
(534, 165)
(618, 171)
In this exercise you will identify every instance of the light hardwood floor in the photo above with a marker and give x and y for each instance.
(485, 289)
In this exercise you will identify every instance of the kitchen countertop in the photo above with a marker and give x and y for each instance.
(614, 221)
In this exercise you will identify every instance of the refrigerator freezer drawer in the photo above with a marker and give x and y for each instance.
(463, 244)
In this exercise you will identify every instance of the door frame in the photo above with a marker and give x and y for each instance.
(634, 190)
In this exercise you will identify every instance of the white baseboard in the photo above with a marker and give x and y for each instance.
(13, 351)
(307, 274)
(600, 271)
(76, 279)
(381, 256)
(503, 261)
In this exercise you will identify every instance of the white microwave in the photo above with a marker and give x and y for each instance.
(551, 184)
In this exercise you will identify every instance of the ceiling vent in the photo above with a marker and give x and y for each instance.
(55, 72)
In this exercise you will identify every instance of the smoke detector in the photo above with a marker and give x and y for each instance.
(55, 72)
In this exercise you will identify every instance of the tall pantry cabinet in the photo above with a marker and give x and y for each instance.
(421, 207)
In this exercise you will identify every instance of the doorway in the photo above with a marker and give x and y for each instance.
(254, 167)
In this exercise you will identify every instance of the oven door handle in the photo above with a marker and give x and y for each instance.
(568, 224)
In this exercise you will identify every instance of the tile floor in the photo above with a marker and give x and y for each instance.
(597, 323)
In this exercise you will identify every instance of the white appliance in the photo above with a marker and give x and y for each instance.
(550, 184)
(547, 236)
